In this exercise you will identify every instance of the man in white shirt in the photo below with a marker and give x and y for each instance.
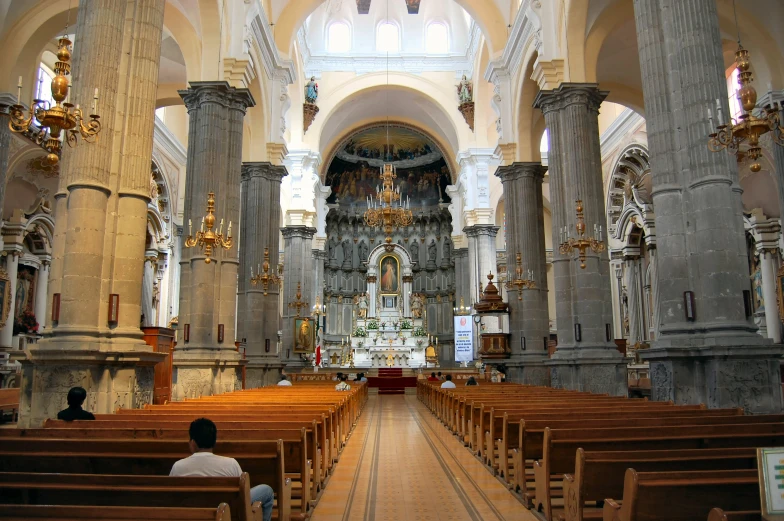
(284, 381)
(203, 463)
(448, 384)
(343, 385)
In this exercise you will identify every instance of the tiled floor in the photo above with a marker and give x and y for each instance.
(401, 464)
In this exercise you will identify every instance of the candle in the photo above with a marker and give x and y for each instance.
(95, 101)
(190, 228)
(202, 224)
(258, 269)
(229, 234)
(251, 272)
(19, 90)
(220, 229)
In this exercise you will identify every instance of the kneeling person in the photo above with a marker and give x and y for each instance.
(203, 463)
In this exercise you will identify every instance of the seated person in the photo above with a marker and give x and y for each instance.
(448, 384)
(76, 397)
(336, 378)
(203, 463)
(440, 378)
(343, 386)
(284, 381)
(433, 378)
(362, 377)
(471, 381)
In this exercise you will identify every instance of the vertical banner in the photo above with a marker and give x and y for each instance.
(464, 339)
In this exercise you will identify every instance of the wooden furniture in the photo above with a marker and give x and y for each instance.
(161, 339)
(103, 513)
(9, 401)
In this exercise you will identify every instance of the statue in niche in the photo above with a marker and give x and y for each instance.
(417, 305)
(362, 303)
(348, 253)
(333, 244)
(363, 251)
(447, 250)
(415, 252)
(432, 251)
(756, 281)
(311, 90)
(465, 90)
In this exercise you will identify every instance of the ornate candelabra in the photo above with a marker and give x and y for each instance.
(519, 283)
(209, 240)
(264, 277)
(387, 209)
(581, 243)
(748, 128)
(297, 302)
(54, 119)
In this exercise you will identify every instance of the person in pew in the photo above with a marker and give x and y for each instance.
(362, 377)
(76, 397)
(343, 385)
(440, 377)
(448, 384)
(471, 381)
(284, 381)
(433, 378)
(203, 463)
(337, 377)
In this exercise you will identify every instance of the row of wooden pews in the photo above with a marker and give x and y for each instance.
(577, 456)
(286, 437)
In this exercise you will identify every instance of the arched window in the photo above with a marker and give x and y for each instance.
(437, 39)
(732, 93)
(339, 37)
(43, 88)
(388, 38)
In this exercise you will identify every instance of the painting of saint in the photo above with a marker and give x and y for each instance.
(303, 335)
(389, 275)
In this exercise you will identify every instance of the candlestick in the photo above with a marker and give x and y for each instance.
(19, 90)
(190, 228)
(220, 228)
(229, 234)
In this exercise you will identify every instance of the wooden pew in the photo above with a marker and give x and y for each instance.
(295, 446)
(600, 474)
(129, 491)
(263, 460)
(718, 514)
(76, 513)
(9, 401)
(560, 446)
(683, 496)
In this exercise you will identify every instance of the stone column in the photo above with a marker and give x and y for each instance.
(298, 269)
(528, 312)
(12, 267)
(481, 255)
(768, 267)
(586, 358)
(5, 143)
(714, 356)
(41, 285)
(372, 279)
(148, 280)
(462, 277)
(408, 284)
(203, 365)
(101, 215)
(258, 318)
(633, 295)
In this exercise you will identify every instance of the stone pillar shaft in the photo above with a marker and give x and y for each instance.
(41, 285)
(772, 321)
(529, 317)
(5, 147)
(12, 267)
(258, 318)
(297, 269)
(481, 255)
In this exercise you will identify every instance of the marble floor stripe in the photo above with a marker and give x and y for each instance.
(402, 464)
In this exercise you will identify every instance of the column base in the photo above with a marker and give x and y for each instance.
(528, 370)
(718, 376)
(112, 379)
(261, 373)
(601, 371)
(205, 372)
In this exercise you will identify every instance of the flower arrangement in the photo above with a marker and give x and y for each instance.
(383, 325)
(25, 323)
(360, 332)
(420, 342)
(406, 324)
(420, 331)
(372, 325)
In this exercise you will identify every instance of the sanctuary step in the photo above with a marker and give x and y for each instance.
(390, 372)
(392, 380)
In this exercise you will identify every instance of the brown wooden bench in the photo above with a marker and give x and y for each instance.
(262, 460)
(560, 446)
(9, 401)
(683, 496)
(97, 513)
(718, 514)
(600, 474)
(25, 488)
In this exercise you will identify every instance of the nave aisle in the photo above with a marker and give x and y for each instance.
(402, 465)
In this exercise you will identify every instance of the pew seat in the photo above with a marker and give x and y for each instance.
(101, 513)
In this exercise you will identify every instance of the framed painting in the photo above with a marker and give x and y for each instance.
(304, 335)
(389, 270)
(5, 294)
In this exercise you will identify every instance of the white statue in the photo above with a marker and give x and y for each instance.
(417, 305)
(465, 90)
(362, 304)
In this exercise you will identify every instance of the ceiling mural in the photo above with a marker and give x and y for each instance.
(422, 172)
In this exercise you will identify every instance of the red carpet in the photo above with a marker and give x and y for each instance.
(391, 381)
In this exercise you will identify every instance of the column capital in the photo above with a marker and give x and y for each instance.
(264, 170)
(220, 92)
(519, 170)
(568, 94)
(481, 229)
(303, 232)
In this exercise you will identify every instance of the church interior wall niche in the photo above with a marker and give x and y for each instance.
(422, 178)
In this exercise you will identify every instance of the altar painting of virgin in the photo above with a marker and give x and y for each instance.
(390, 275)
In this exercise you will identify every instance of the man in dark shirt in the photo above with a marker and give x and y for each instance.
(76, 397)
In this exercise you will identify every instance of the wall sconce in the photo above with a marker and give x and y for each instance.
(688, 305)
(220, 333)
(186, 333)
(578, 332)
(56, 307)
(114, 308)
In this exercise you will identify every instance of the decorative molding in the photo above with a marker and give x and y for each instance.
(523, 32)
(264, 44)
(164, 138)
(623, 126)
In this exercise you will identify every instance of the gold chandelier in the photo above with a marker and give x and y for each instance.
(387, 209)
(264, 277)
(581, 243)
(208, 239)
(519, 282)
(54, 119)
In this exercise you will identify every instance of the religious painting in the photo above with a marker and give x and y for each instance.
(24, 290)
(389, 268)
(304, 335)
(422, 172)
